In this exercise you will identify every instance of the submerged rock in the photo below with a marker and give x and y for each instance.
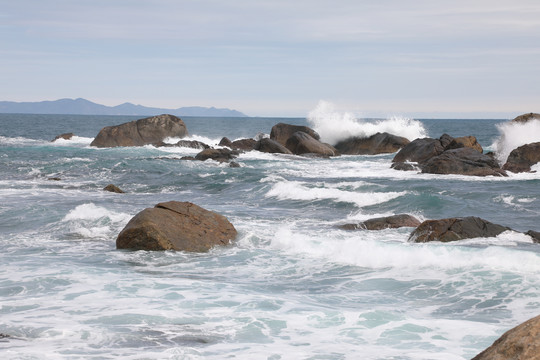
(192, 144)
(141, 132)
(453, 229)
(522, 158)
(388, 222)
(176, 225)
(380, 143)
(65, 136)
(301, 143)
(519, 343)
(282, 132)
(113, 188)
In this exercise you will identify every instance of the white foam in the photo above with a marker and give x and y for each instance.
(91, 221)
(514, 135)
(334, 126)
(74, 140)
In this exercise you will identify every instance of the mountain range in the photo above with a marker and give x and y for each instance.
(85, 107)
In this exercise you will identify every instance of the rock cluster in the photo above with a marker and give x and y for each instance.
(380, 143)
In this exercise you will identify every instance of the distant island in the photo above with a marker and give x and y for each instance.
(85, 107)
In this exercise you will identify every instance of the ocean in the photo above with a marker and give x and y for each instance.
(293, 285)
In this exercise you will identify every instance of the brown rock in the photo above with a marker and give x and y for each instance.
(176, 226)
(463, 161)
(420, 150)
(522, 158)
(282, 132)
(465, 141)
(380, 143)
(221, 155)
(301, 143)
(526, 117)
(388, 222)
(271, 146)
(141, 132)
(519, 343)
(453, 229)
(113, 188)
(66, 136)
(192, 144)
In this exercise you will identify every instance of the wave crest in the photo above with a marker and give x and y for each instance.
(514, 135)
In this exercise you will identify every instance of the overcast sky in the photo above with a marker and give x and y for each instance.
(418, 58)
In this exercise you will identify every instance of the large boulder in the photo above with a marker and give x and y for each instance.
(465, 141)
(282, 132)
(526, 118)
(176, 225)
(463, 161)
(301, 143)
(141, 132)
(270, 146)
(380, 143)
(454, 229)
(388, 222)
(419, 150)
(519, 343)
(220, 155)
(522, 158)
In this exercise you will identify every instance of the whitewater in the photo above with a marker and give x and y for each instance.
(293, 285)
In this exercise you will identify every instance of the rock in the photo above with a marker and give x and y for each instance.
(535, 235)
(66, 136)
(526, 118)
(522, 158)
(141, 132)
(519, 343)
(242, 144)
(234, 164)
(405, 166)
(192, 144)
(113, 188)
(282, 132)
(380, 143)
(463, 161)
(465, 141)
(388, 222)
(301, 143)
(420, 150)
(176, 225)
(225, 141)
(453, 229)
(54, 178)
(221, 155)
(270, 146)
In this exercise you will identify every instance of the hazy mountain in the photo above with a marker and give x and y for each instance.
(85, 107)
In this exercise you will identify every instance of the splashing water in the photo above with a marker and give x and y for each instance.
(334, 126)
(514, 135)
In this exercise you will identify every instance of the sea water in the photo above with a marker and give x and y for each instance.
(293, 285)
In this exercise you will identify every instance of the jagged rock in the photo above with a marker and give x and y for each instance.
(388, 222)
(176, 225)
(66, 136)
(522, 158)
(282, 132)
(221, 155)
(535, 235)
(270, 146)
(519, 343)
(454, 229)
(301, 143)
(141, 132)
(526, 118)
(465, 141)
(193, 144)
(113, 188)
(380, 143)
(463, 161)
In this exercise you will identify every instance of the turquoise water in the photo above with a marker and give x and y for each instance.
(293, 285)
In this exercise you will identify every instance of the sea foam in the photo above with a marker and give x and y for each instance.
(514, 135)
(334, 126)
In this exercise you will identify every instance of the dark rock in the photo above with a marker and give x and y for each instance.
(445, 140)
(526, 118)
(535, 236)
(380, 143)
(465, 141)
(176, 225)
(234, 164)
(282, 132)
(54, 179)
(522, 158)
(453, 229)
(221, 155)
(192, 144)
(420, 150)
(141, 132)
(463, 161)
(301, 143)
(405, 166)
(388, 222)
(519, 343)
(225, 141)
(113, 188)
(270, 146)
(4, 336)
(66, 136)
(188, 158)
(243, 144)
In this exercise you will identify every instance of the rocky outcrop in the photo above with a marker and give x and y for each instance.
(192, 144)
(526, 118)
(141, 132)
(465, 141)
(419, 151)
(282, 132)
(270, 146)
(522, 158)
(388, 222)
(113, 188)
(220, 155)
(463, 161)
(301, 143)
(176, 225)
(519, 343)
(535, 235)
(380, 143)
(65, 136)
(453, 229)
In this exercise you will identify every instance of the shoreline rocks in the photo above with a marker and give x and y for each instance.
(453, 229)
(380, 143)
(387, 222)
(281, 132)
(522, 158)
(302, 143)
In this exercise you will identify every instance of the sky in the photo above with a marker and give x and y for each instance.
(374, 58)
